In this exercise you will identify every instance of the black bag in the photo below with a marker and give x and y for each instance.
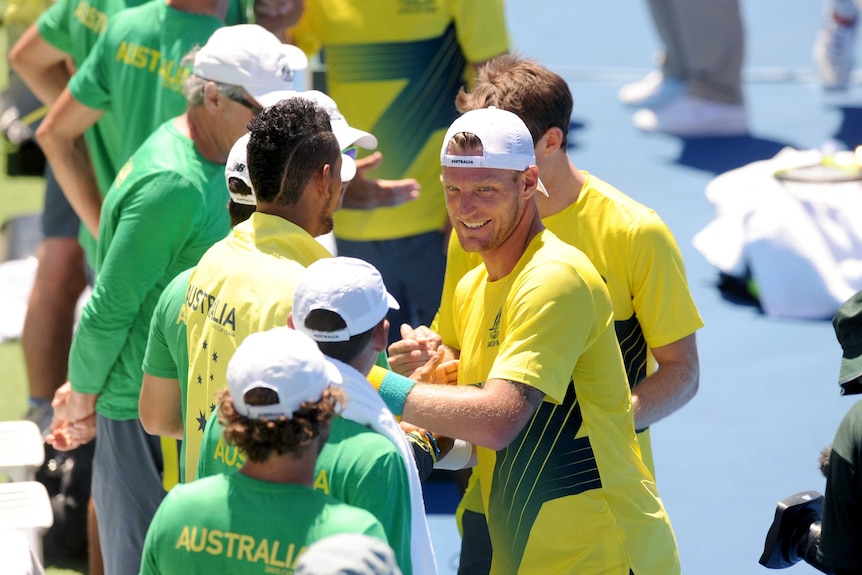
(67, 477)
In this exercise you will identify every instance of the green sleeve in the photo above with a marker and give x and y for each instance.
(376, 530)
(156, 220)
(657, 274)
(89, 84)
(53, 25)
(214, 459)
(238, 12)
(382, 360)
(160, 359)
(391, 508)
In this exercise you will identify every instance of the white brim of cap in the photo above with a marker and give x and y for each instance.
(393, 303)
(348, 168)
(245, 200)
(351, 136)
(272, 98)
(540, 187)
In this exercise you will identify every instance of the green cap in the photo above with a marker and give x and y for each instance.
(848, 328)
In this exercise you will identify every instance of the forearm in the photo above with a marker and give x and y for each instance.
(46, 83)
(70, 161)
(664, 392)
(490, 416)
(278, 15)
(40, 66)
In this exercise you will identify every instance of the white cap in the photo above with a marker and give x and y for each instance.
(348, 553)
(348, 168)
(350, 287)
(506, 142)
(347, 136)
(282, 360)
(250, 56)
(237, 167)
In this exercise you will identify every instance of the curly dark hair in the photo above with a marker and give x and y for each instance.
(288, 143)
(260, 438)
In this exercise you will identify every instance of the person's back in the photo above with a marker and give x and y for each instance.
(136, 71)
(129, 84)
(224, 306)
(244, 283)
(233, 523)
(165, 209)
(356, 465)
(282, 395)
(76, 27)
(181, 227)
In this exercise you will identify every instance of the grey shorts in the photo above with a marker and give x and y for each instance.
(127, 490)
(59, 220)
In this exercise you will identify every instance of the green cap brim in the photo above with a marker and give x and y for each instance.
(851, 368)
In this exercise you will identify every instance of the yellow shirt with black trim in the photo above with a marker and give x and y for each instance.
(570, 493)
(636, 255)
(242, 285)
(394, 67)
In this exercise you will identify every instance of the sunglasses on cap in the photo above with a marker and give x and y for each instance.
(255, 108)
(351, 151)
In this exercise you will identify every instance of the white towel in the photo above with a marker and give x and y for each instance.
(802, 242)
(364, 406)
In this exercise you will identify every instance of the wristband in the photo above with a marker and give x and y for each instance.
(433, 442)
(393, 388)
(457, 458)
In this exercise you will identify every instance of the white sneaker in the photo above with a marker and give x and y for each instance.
(833, 53)
(694, 117)
(653, 90)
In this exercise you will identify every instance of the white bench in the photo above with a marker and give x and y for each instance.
(21, 450)
(24, 503)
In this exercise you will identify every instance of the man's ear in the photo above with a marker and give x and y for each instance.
(213, 99)
(531, 179)
(290, 321)
(550, 142)
(324, 175)
(380, 335)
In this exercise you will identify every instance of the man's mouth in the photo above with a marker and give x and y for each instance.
(474, 225)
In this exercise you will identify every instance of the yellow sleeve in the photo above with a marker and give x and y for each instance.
(481, 28)
(306, 34)
(658, 274)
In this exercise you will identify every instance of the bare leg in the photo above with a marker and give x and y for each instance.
(48, 325)
(94, 552)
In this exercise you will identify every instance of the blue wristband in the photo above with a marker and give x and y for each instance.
(433, 441)
(394, 390)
